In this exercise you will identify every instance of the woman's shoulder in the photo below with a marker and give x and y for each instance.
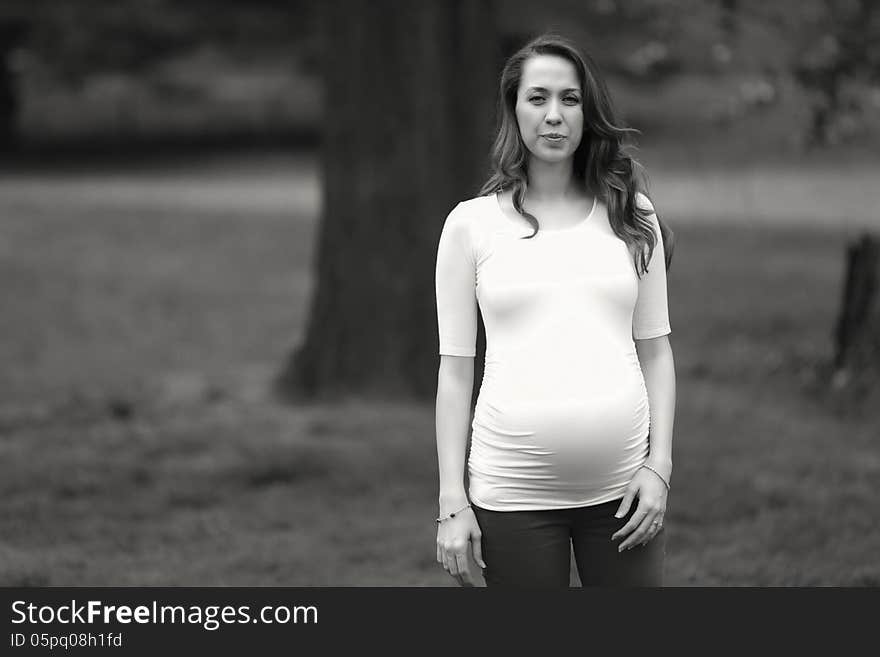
(477, 204)
(473, 213)
(475, 223)
(644, 202)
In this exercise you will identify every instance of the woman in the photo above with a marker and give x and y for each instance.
(564, 257)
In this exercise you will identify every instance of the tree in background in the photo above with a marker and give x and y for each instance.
(78, 37)
(69, 41)
(12, 32)
(830, 48)
(837, 64)
(410, 90)
(407, 129)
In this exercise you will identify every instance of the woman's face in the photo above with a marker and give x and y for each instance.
(549, 108)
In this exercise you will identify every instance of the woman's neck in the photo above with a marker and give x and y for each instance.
(551, 181)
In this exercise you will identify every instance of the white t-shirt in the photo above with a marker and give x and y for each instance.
(562, 415)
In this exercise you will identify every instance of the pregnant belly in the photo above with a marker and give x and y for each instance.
(561, 417)
(563, 441)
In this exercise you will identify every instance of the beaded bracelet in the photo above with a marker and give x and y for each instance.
(665, 483)
(452, 515)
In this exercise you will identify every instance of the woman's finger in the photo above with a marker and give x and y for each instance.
(639, 534)
(455, 570)
(656, 526)
(649, 535)
(633, 522)
(465, 578)
(453, 563)
(477, 546)
(625, 503)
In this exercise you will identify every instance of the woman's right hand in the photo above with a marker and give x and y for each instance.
(456, 537)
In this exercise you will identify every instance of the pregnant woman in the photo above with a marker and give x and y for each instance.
(571, 438)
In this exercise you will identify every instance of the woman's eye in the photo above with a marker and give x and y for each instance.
(572, 100)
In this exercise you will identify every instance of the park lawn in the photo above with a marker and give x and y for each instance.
(141, 446)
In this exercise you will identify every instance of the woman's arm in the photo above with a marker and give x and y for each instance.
(455, 383)
(658, 368)
(458, 537)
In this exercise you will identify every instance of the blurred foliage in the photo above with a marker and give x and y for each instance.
(831, 48)
(76, 38)
(838, 63)
(752, 53)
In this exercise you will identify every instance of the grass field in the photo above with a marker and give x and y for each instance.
(145, 311)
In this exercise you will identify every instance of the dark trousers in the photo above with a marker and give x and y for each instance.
(533, 548)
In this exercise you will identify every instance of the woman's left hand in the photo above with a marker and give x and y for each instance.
(647, 520)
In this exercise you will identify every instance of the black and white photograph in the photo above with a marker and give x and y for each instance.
(439, 293)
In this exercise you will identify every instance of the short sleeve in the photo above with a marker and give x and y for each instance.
(455, 286)
(651, 314)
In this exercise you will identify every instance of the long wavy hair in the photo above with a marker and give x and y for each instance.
(600, 160)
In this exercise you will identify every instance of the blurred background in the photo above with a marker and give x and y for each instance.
(218, 223)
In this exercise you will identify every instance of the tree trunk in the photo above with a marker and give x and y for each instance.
(409, 112)
(857, 333)
(12, 33)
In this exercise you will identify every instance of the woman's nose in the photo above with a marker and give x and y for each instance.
(553, 115)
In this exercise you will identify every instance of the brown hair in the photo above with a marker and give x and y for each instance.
(600, 160)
